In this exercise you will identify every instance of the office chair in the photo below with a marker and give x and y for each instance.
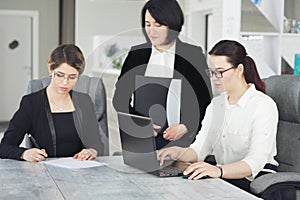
(285, 91)
(85, 84)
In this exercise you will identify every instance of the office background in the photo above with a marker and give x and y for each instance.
(87, 23)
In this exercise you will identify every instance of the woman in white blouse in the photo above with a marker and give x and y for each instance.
(239, 127)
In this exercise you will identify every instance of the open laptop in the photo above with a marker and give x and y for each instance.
(139, 149)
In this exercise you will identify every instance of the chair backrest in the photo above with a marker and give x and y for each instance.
(285, 91)
(96, 90)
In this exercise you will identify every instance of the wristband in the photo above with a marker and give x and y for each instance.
(221, 170)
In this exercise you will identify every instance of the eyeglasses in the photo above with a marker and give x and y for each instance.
(218, 74)
(61, 77)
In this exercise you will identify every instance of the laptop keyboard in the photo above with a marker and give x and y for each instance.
(170, 171)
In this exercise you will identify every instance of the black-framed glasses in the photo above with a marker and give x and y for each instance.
(61, 77)
(218, 74)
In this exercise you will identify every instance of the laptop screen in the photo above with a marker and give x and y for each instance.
(138, 142)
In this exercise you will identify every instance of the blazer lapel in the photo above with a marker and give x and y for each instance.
(50, 121)
(144, 59)
(77, 116)
(179, 63)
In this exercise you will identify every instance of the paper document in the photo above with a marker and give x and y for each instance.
(173, 102)
(72, 163)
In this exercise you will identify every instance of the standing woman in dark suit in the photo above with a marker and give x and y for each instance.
(61, 121)
(164, 55)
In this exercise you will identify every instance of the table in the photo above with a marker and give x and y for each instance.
(25, 180)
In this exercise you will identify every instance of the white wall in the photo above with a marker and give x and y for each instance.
(104, 17)
(195, 11)
(107, 17)
(48, 25)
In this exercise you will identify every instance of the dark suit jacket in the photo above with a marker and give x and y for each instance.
(34, 117)
(189, 66)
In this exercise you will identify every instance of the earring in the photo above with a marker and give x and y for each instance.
(239, 76)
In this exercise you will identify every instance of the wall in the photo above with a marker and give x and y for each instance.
(104, 17)
(296, 9)
(291, 9)
(195, 11)
(48, 25)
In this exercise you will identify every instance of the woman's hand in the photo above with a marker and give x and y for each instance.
(34, 155)
(171, 152)
(86, 154)
(201, 169)
(155, 128)
(175, 132)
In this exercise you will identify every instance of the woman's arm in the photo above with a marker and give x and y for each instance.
(90, 132)
(34, 155)
(235, 170)
(124, 86)
(175, 132)
(179, 153)
(14, 135)
(262, 148)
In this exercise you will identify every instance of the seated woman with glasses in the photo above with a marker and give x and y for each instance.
(59, 121)
(239, 127)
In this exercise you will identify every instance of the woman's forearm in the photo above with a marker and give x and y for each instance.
(236, 170)
(188, 155)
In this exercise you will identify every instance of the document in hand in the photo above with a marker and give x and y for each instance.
(158, 98)
(72, 163)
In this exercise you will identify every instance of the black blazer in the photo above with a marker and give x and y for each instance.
(189, 66)
(34, 117)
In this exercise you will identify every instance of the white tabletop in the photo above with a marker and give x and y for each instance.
(25, 180)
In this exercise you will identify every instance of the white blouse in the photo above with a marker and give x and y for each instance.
(161, 64)
(242, 132)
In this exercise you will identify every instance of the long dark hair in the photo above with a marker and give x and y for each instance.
(236, 54)
(165, 12)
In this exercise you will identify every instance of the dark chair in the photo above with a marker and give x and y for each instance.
(285, 91)
(89, 85)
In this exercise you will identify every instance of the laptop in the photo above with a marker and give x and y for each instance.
(139, 149)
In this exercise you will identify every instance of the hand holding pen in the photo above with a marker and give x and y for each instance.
(34, 154)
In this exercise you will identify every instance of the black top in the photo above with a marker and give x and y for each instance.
(34, 117)
(189, 66)
(67, 139)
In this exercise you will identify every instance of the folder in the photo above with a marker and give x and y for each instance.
(158, 98)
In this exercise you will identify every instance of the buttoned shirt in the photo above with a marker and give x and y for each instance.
(245, 131)
(161, 64)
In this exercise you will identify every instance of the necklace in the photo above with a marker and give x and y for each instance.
(60, 107)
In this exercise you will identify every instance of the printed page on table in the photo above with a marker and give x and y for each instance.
(72, 163)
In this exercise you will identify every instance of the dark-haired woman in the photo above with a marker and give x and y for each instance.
(164, 55)
(239, 127)
(61, 122)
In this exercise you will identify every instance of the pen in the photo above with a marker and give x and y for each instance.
(33, 141)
